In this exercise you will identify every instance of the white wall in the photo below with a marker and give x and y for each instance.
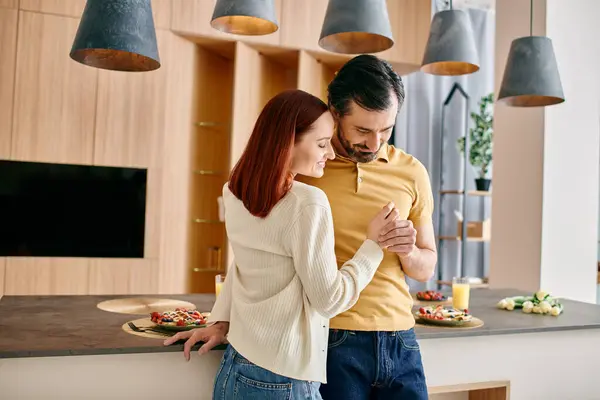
(546, 160)
(571, 152)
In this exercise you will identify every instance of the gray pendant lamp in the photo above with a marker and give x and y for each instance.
(451, 46)
(118, 35)
(356, 27)
(245, 17)
(531, 77)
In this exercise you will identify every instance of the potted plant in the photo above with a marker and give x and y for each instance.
(481, 141)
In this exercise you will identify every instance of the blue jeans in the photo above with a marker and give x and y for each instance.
(374, 365)
(239, 379)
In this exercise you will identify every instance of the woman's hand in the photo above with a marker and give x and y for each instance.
(383, 217)
(211, 336)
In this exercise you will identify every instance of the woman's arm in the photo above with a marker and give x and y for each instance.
(222, 307)
(329, 290)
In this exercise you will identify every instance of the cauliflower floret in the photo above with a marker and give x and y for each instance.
(527, 307)
(501, 304)
(510, 304)
(545, 306)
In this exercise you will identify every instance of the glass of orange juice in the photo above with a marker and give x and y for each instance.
(219, 281)
(460, 293)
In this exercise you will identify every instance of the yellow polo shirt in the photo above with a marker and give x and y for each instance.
(357, 191)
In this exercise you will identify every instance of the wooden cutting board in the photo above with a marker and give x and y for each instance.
(473, 323)
(145, 323)
(143, 305)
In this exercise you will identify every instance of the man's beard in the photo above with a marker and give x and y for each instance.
(356, 152)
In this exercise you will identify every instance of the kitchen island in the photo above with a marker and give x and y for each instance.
(65, 347)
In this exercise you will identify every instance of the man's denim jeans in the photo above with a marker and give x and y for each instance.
(374, 365)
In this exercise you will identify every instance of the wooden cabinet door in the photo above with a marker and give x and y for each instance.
(8, 44)
(9, 3)
(410, 20)
(55, 97)
(301, 26)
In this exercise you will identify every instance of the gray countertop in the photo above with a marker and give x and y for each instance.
(42, 326)
(576, 315)
(39, 326)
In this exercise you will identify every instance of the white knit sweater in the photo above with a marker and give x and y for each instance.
(285, 285)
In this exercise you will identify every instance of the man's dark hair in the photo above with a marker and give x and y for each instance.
(368, 81)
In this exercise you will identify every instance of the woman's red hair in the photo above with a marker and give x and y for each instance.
(262, 175)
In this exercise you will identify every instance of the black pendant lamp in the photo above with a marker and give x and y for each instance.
(451, 46)
(245, 17)
(356, 27)
(118, 35)
(531, 77)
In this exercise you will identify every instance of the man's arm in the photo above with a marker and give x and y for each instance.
(415, 245)
(419, 264)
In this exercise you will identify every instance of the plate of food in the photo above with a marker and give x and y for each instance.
(431, 295)
(443, 316)
(180, 319)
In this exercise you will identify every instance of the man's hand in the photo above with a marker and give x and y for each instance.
(398, 236)
(416, 249)
(211, 336)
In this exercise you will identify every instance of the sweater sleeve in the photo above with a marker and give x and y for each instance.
(222, 308)
(329, 290)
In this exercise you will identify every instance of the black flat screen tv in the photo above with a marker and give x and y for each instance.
(63, 210)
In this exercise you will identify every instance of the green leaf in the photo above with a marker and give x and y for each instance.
(481, 136)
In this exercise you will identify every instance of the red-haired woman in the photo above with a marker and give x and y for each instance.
(285, 283)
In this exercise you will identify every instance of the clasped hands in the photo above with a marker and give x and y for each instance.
(398, 236)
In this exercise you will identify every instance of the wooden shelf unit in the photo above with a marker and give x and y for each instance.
(492, 390)
(317, 70)
(260, 73)
(462, 237)
(469, 239)
(469, 193)
(483, 285)
(209, 147)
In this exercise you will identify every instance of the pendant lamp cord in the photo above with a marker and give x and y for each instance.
(531, 18)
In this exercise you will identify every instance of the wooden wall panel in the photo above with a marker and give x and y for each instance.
(309, 74)
(130, 129)
(55, 97)
(2, 274)
(71, 8)
(161, 9)
(258, 76)
(179, 62)
(301, 25)
(246, 100)
(130, 116)
(410, 20)
(46, 276)
(317, 70)
(402, 19)
(192, 17)
(421, 33)
(123, 276)
(210, 152)
(9, 3)
(8, 44)
(247, 81)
